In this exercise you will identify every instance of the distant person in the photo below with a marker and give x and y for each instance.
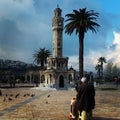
(117, 81)
(85, 101)
(0, 93)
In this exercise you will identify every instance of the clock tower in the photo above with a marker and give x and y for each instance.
(57, 61)
(56, 74)
(57, 28)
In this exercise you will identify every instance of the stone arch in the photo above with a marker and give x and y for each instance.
(50, 78)
(28, 78)
(42, 79)
(61, 81)
(36, 80)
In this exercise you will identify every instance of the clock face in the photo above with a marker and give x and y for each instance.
(59, 23)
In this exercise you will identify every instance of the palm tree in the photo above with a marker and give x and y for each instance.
(101, 60)
(98, 68)
(40, 56)
(81, 21)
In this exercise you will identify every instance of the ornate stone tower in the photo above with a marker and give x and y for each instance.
(57, 28)
(57, 73)
(57, 61)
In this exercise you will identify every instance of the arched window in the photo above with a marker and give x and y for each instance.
(42, 79)
(61, 81)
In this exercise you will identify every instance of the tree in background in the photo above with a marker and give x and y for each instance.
(101, 60)
(98, 68)
(108, 71)
(81, 21)
(40, 56)
(111, 71)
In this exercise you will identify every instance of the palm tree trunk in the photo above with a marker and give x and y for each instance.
(42, 64)
(81, 54)
(102, 70)
(99, 73)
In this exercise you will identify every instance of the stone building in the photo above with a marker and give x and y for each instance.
(57, 73)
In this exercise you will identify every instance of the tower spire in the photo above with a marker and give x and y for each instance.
(57, 6)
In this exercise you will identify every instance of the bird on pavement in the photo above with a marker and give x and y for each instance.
(48, 96)
(10, 99)
(17, 95)
(32, 95)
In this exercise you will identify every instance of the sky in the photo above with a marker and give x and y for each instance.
(26, 26)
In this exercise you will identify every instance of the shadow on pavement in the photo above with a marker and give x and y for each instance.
(103, 118)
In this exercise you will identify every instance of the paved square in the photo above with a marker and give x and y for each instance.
(33, 104)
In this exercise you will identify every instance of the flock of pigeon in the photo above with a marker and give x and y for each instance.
(10, 97)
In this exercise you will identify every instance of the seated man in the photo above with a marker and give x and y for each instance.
(85, 101)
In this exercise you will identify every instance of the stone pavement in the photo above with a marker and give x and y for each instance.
(35, 104)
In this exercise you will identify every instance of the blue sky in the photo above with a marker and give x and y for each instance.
(26, 26)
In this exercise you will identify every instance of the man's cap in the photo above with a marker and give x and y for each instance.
(83, 79)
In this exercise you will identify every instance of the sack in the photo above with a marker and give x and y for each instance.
(72, 105)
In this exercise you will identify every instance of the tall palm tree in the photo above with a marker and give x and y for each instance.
(40, 56)
(101, 60)
(81, 21)
(98, 68)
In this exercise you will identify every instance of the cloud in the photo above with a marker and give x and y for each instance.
(73, 61)
(114, 50)
(22, 29)
(26, 26)
(90, 60)
(111, 53)
(16, 9)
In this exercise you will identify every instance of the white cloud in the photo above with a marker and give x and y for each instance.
(22, 12)
(90, 60)
(117, 38)
(26, 25)
(22, 28)
(113, 53)
(10, 9)
(73, 61)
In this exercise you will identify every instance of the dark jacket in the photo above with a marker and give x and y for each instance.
(85, 98)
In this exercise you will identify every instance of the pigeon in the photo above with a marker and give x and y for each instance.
(11, 95)
(32, 95)
(10, 99)
(28, 94)
(17, 95)
(24, 95)
(48, 96)
(46, 102)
